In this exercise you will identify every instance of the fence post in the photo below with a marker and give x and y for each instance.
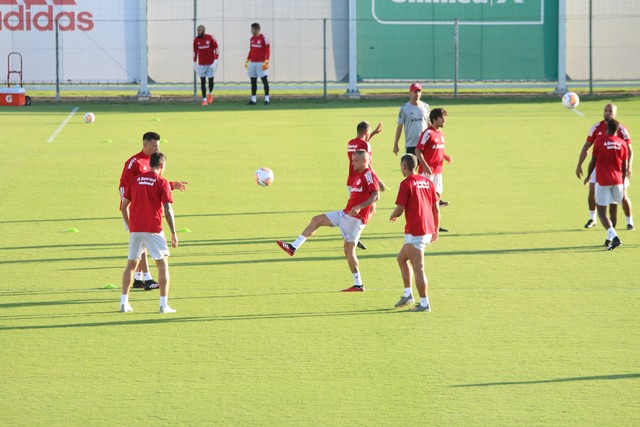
(57, 62)
(324, 56)
(562, 48)
(195, 33)
(143, 52)
(590, 48)
(352, 90)
(455, 48)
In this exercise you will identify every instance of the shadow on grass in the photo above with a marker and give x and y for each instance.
(555, 380)
(126, 319)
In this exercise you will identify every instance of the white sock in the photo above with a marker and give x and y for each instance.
(147, 276)
(139, 275)
(266, 98)
(253, 98)
(204, 99)
(592, 215)
(424, 301)
(629, 220)
(407, 292)
(299, 241)
(611, 233)
(163, 301)
(357, 280)
(124, 299)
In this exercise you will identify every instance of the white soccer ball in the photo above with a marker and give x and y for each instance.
(570, 100)
(89, 118)
(264, 177)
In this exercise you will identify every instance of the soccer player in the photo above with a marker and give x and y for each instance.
(610, 159)
(599, 130)
(430, 151)
(257, 63)
(418, 200)
(351, 220)
(205, 62)
(142, 205)
(360, 142)
(414, 117)
(134, 166)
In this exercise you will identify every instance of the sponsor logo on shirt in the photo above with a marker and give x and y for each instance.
(421, 184)
(613, 145)
(41, 15)
(144, 180)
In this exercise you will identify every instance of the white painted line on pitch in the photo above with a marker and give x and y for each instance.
(580, 113)
(62, 125)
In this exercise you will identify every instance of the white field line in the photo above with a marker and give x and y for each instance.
(62, 125)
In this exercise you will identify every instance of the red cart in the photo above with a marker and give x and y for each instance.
(14, 96)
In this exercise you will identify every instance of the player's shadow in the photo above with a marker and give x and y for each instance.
(128, 319)
(555, 380)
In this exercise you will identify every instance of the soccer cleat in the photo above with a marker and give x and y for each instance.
(404, 301)
(150, 285)
(607, 243)
(615, 242)
(286, 247)
(210, 98)
(361, 245)
(204, 101)
(138, 284)
(354, 288)
(419, 308)
(251, 103)
(126, 308)
(443, 230)
(590, 223)
(630, 227)
(266, 102)
(166, 309)
(443, 203)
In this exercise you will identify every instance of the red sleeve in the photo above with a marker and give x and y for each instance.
(166, 196)
(195, 51)
(422, 140)
(372, 181)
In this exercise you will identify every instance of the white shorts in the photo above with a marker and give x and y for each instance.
(255, 70)
(350, 227)
(206, 71)
(592, 179)
(436, 178)
(154, 243)
(418, 242)
(609, 194)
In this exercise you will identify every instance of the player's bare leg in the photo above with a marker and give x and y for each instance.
(407, 278)
(628, 213)
(612, 236)
(316, 222)
(416, 256)
(591, 202)
(163, 281)
(127, 278)
(613, 214)
(352, 260)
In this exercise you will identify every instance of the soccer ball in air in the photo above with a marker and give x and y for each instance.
(570, 100)
(264, 177)
(89, 118)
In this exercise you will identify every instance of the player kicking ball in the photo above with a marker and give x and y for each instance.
(418, 199)
(351, 220)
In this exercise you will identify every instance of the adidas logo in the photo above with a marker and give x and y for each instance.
(41, 15)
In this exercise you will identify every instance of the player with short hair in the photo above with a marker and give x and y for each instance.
(351, 220)
(142, 205)
(205, 62)
(430, 151)
(610, 160)
(414, 117)
(257, 63)
(418, 199)
(600, 130)
(134, 166)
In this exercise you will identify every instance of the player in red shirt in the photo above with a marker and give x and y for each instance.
(430, 151)
(351, 220)
(257, 63)
(142, 206)
(418, 199)
(610, 160)
(599, 130)
(205, 61)
(134, 166)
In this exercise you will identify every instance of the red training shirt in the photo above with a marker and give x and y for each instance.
(148, 193)
(431, 144)
(600, 130)
(354, 145)
(205, 50)
(417, 195)
(364, 183)
(259, 49)
(609, 153)
(137, 164)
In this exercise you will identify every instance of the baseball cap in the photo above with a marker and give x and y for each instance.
(415, 87)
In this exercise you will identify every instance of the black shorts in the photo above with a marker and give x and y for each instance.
(411, 150)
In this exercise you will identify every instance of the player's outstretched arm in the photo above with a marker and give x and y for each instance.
(179, 185)
(376, 131)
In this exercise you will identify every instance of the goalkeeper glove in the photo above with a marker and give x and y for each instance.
(265, 66)
(246, 64)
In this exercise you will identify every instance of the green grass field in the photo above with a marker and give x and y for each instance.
(533, 323)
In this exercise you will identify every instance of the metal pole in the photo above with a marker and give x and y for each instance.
(590, 48)
(195, 32)
(324, 55)
(352, 90)
(143, 52)
(57, 63)
(455, 48)
(561, 89)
